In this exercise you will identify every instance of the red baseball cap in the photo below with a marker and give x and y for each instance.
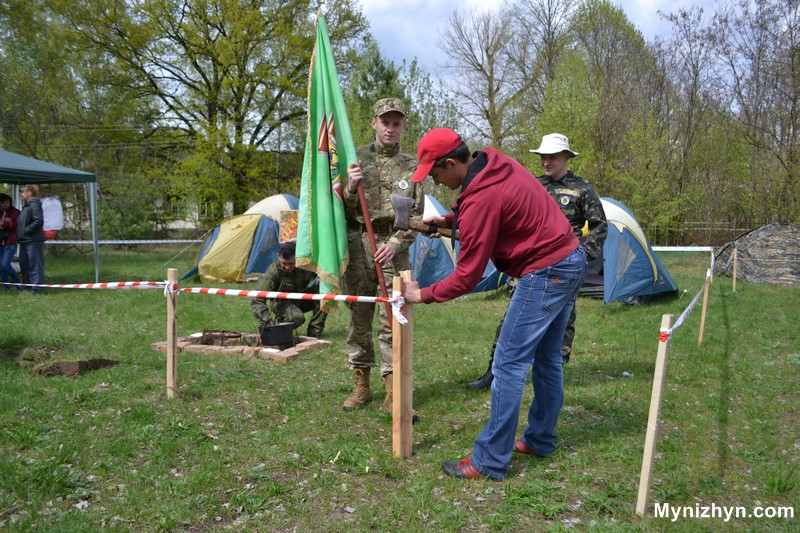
(436, 143)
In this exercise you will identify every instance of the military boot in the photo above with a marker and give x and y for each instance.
(361, 394)
(388, 381)
(386, 407)
(485, 381)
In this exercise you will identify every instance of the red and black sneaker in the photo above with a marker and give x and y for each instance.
(463, 470)
(521, 447)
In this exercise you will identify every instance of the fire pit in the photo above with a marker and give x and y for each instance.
(216, 337)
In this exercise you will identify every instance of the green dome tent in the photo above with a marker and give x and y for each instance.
(17, 170)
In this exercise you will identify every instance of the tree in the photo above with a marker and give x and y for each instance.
(56, 105)
(372, 78)
(692, 69)
(759, 43)
(229, 74)
(541, 38)
(488, 85)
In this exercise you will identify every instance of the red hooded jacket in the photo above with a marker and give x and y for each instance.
(9, 225)
(507, 216)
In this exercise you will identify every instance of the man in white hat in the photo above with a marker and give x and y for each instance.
(582, 207)
(579, 203)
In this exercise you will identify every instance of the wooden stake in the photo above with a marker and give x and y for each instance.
(735, 255)
(705, 305)
(402, 384)
(646, 477)
(172, 334)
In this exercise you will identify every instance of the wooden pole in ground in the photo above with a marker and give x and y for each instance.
(646, 477)
(402, 385)
(705, 305)
(735, 255)
(172, 334)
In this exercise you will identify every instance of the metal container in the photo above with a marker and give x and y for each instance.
(281, 335)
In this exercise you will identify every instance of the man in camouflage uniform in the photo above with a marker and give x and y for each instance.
(582, 207)
(382, 170)
(284, 277)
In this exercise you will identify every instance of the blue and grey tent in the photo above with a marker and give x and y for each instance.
(432, 260)
(631, 270)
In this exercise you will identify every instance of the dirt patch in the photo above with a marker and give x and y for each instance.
(74, 368)
(35, 356)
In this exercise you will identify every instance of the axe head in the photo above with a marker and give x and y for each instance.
(402, 210)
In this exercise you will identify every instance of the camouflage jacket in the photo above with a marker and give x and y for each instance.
(580, 204)
(385, 172)
(277, 279)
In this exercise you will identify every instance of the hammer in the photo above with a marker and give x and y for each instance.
(402, 218)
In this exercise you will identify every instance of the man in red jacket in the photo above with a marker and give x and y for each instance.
(502, 213)
(8, 241)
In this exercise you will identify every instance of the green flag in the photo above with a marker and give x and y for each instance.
(329, 150)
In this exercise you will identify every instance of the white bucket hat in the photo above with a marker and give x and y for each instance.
(554, 143)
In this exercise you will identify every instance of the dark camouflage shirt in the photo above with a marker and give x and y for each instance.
(580, 204)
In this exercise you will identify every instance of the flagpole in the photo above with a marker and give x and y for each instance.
(362, 198)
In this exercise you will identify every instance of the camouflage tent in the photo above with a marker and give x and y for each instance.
(769, 254)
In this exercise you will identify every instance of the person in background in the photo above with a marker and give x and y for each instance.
(8, 240)
(382, 170)
(502, 213)
(582, 207)
(30, 237)
(283, 276)
(579, 203)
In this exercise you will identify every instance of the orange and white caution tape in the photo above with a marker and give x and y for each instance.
(396, 300)
(286, 295)
(110, 285)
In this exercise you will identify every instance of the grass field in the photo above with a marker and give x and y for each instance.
(253, 445)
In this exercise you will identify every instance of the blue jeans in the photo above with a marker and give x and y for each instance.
(31, 263)
(530, 338)
(7, 272)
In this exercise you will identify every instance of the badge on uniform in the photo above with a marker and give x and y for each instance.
(564, 200)
(402, 185)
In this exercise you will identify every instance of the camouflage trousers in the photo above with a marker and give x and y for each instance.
(361, 279)
(294, 311)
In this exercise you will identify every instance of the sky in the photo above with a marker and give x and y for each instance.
(413, 30)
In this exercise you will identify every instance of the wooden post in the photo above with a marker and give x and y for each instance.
(735, 255)
(705, 305)
(402, 385)
(172, 334)
(646, 477)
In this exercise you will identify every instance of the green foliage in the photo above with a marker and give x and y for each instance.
(229, 78)
(372, 78)
(203, 103)
(432, 106)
